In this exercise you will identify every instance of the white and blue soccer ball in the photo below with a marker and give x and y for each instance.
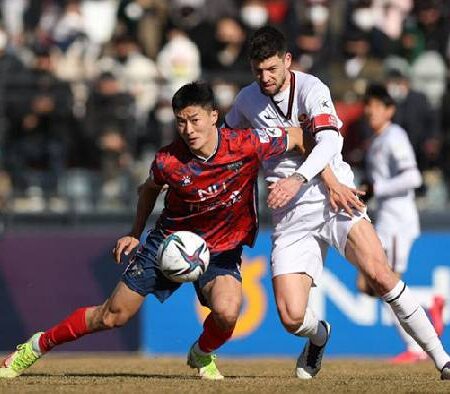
(183, 256)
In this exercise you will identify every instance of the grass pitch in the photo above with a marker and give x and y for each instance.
(138, 374)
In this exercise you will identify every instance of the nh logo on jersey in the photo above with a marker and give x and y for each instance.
(210, 191)
(186, 180)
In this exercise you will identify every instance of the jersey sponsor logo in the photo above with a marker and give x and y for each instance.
(211, 191)
(235, 166)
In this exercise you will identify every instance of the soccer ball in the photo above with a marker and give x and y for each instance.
(183, 256)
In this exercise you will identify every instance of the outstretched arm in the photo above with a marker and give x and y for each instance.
(341, 196)
(148, 193)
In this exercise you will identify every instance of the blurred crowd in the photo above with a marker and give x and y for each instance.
(85, 85)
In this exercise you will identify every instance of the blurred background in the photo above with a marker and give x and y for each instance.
(85, 90)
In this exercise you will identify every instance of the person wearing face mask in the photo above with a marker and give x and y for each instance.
(254, 14)
(352, 74)
(230, 47)
(413, 113)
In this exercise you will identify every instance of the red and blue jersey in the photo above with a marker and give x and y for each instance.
(216, 198)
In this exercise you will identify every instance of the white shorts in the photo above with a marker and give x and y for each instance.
(397, 248)
(301, 237)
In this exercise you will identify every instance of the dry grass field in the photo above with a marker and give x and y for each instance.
(106, 373)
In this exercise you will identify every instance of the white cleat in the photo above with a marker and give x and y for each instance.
(445, 372)
(310, 361)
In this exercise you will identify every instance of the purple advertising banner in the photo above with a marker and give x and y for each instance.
(45, 276)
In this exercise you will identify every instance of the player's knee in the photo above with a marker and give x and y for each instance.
(227, 315)
(292, 320)
(380, 276)
(113, 319)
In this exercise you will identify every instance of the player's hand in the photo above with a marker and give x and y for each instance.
(282, 191)
(368, 189)
(124, 245)
(346, 198)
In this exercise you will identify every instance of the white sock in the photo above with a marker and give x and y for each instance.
(312, 328)
(409, 341)
(35, 345)
(415, 322)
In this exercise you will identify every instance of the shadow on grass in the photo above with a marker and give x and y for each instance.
(139, 376)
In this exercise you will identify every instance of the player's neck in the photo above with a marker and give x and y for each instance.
(210, 147)
(383, 128)
(286, 83)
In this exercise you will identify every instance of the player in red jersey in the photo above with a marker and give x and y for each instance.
(212, 176)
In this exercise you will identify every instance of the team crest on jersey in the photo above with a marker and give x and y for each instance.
(186, 180)
(234, 166)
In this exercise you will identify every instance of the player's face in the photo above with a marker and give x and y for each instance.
(378, 114)
(271, 73)
(197, 127)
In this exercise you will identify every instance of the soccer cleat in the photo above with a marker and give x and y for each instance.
(206, 365)
(20, 360)
(436, 313)
(445, 372)
(409, 357)
(310, 361)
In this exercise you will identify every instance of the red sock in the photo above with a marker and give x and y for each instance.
(71, 328)
(212, 336)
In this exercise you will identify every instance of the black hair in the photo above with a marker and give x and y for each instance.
(267, 42)
(379, 92)
(196, 93)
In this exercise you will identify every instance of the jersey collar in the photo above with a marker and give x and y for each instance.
(205, 159)
(288, 114)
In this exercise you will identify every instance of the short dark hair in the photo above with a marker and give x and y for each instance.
(195, 93)
(379, 92)
(267, 42)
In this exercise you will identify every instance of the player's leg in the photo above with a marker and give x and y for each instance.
(291, 295)
(220, 288)
(397, 247)
(114, 312)
(139, 279)
(363, 248)
(297, 263)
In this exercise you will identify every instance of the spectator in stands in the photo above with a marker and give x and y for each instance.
(144, 20)
(359, 68)
(136, 74)
(427, 29)
(413, 113)
(40, 120)
(179, 60)
(110, 127)
(229, 56)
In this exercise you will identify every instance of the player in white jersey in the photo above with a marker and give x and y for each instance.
(304, 223)
(392, 177)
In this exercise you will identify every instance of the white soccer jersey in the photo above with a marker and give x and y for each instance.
(391, 154)
(306, 98)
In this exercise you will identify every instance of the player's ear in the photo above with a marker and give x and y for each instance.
(288, 59)
(214, 116)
